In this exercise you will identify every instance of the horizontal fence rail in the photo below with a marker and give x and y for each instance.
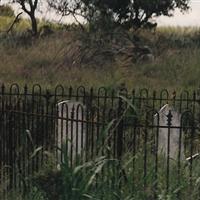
(158, 131)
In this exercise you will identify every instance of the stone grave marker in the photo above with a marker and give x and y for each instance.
(71, 131)
(174, 139)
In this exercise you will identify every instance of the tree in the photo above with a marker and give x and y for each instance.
(80, 10)
(29, 7)
(31, 12)
(137, 13)
(128, 13)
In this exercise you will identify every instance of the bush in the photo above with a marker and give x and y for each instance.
(6, 10)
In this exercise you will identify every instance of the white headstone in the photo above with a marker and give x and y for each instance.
(71, 132)
(174, 137)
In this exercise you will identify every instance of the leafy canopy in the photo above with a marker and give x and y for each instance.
(136, 13)
(129, 13)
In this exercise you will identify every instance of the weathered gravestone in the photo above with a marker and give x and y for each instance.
(169, 140)
(71, 131)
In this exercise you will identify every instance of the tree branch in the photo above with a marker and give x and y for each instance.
(22, 3)
(35, 4)
(14, 22)
(82, 27)
(31, 4)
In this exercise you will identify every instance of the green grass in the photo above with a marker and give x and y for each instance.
(5, 23)
(101, 179)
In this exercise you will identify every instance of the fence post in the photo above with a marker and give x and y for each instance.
(169, 124)
(11, 148)
(120, 139)
(2, 141)
(120, 130)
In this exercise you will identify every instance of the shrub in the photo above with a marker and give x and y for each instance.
(6, 10)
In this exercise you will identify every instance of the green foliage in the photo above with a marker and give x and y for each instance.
(106, 179)
(128, 13)
(7, 11)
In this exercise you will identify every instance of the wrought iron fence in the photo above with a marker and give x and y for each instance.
(158, 130)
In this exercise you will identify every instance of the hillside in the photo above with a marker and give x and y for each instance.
(71, 57)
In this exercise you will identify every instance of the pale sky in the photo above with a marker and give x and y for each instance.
(192, 18)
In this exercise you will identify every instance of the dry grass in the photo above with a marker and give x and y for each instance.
(53, 60)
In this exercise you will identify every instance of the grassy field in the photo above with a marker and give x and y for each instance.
(52, 60)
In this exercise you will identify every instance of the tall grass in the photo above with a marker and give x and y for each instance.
(102, 179)
(52, 60)
(136, 176)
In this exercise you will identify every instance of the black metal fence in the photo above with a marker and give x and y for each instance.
(84, 124)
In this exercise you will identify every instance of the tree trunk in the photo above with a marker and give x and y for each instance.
(31, 14)
(34, 24)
